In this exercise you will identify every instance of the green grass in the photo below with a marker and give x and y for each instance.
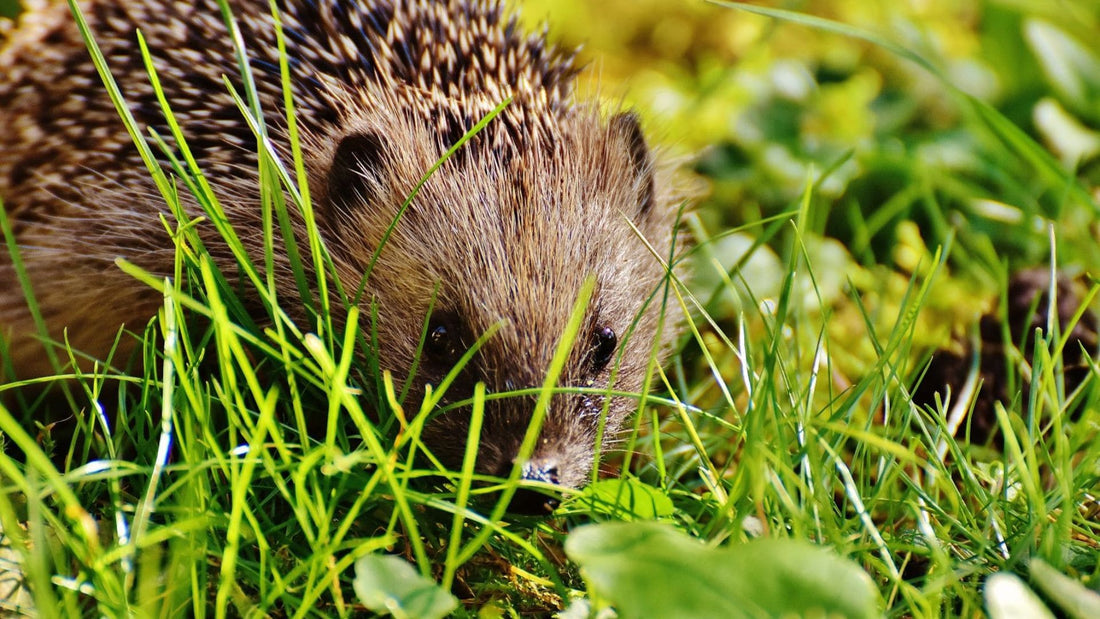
(788, 414)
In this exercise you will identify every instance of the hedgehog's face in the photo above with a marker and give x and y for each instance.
(506, 244)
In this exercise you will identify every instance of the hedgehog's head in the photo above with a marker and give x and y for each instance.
(504, 236)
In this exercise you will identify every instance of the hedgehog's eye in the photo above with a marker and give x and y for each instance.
(438, 340)
(440, 343)
(442, 346)
(603, 347)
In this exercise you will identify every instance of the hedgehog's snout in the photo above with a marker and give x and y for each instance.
(563, 454)
(543, 469)
(531, 501)
(556, 461)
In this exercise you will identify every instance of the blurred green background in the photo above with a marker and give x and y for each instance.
(766, 103)
(902, 160)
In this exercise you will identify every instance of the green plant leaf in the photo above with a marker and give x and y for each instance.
(648, 569)
(626, 499)
(1071, 596)
(390, 585)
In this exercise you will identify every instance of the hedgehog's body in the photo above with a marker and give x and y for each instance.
(507, 231)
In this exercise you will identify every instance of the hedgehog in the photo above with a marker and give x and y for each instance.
(552, 193)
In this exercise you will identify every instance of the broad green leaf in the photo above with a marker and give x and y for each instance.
(648, 569)
(626, 498)
(390, 585)
(1071, 596)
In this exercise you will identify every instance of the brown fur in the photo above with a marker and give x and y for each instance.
(508, 229)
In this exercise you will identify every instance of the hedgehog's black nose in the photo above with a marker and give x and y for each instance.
(533, 502)
(541, 470)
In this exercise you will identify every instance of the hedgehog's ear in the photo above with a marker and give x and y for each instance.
(355, 173)
(629, 128)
